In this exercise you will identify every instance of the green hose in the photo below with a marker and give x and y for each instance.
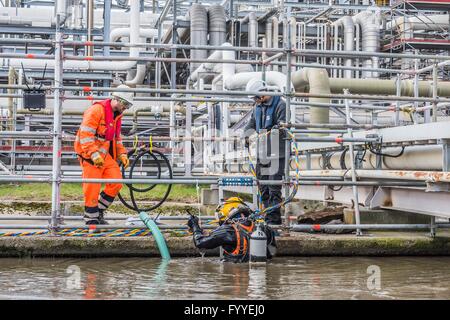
(159, 238)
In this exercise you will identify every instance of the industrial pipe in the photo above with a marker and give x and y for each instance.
(86, 64)
(199, 32)
(316, 81)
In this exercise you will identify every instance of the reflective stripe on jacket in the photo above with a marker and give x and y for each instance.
(91, 134)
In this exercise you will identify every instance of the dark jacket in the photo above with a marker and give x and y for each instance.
(279, 115)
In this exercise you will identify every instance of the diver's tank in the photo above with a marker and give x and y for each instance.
(258, 245)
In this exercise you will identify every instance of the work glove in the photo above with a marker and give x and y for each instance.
(97, 159)
(193, 222)
(125, 161)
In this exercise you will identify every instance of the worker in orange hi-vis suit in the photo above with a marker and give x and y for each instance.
(98, 145)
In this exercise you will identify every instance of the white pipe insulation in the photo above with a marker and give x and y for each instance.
(370, 38)
(218, 67)
(412, 158)
(275, 25)
(349, 40)
(268, 39)
(90, 65)
(240, 80)
(217, 28)
(43, 16)
(252, 28)
(199, 33)
(118, 33)
(437, 22)
(314, 80)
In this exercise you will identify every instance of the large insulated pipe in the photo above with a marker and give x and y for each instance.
(275, 24)
(118, 33)
(268, 37)
(134, 38)
(438, 22)
(199, 33)
(240, 80)
(140, 71)
(349, 40)
(91, 65)
(90, 26)
(218, 67)
(217, 20)
(314, 80)
(228, 68)
(388, 87)
(370, 38)
(412, 158)
(293, 26)
(252, 28)
(61, 9)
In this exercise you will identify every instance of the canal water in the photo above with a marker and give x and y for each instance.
(207, 278)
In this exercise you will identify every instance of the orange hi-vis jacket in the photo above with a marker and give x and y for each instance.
(92, 135)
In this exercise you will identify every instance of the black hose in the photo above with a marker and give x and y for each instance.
(153, 154)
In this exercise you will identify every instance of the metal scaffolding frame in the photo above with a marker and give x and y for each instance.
(286, 53)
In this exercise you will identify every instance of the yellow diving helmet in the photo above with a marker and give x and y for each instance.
(228, 206)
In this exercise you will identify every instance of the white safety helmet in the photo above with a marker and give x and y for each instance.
(255, 85)
(127, 96)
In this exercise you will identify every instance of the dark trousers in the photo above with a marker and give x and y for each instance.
(271, 194)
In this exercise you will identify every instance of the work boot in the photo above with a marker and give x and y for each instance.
(92, 223)
(101, 217)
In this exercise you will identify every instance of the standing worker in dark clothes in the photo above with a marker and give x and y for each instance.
(268, 113)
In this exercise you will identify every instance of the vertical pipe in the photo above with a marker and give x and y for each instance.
(231, 10)
(352, 160)
(228, 70)
(336, 35)
(173, 65)
(434, 119)
(398, 83)
(357, 48)
(433, 227)
(172, 131)
(11, 81)
(56, 156)
(106, 25)
(252, 30)
(416, 86)
(293, 39)
(275, 25)
(12, 110)
(269, 38)
(90, 26)
(188, 143)
(287, 155)
(158, 63)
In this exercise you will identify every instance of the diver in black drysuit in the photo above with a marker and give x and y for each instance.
(233, 236)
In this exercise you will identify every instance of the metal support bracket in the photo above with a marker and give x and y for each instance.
(445, 154)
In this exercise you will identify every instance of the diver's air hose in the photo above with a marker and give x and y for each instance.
(159, 238)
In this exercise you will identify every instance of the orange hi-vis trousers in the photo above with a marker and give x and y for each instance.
(93, 199)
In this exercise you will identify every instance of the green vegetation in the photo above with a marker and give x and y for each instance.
(43, 192)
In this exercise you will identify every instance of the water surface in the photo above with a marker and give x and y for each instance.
(208, 278)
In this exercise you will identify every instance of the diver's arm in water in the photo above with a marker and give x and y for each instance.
(222, 236)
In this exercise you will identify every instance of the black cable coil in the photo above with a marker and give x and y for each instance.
(135, 157)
